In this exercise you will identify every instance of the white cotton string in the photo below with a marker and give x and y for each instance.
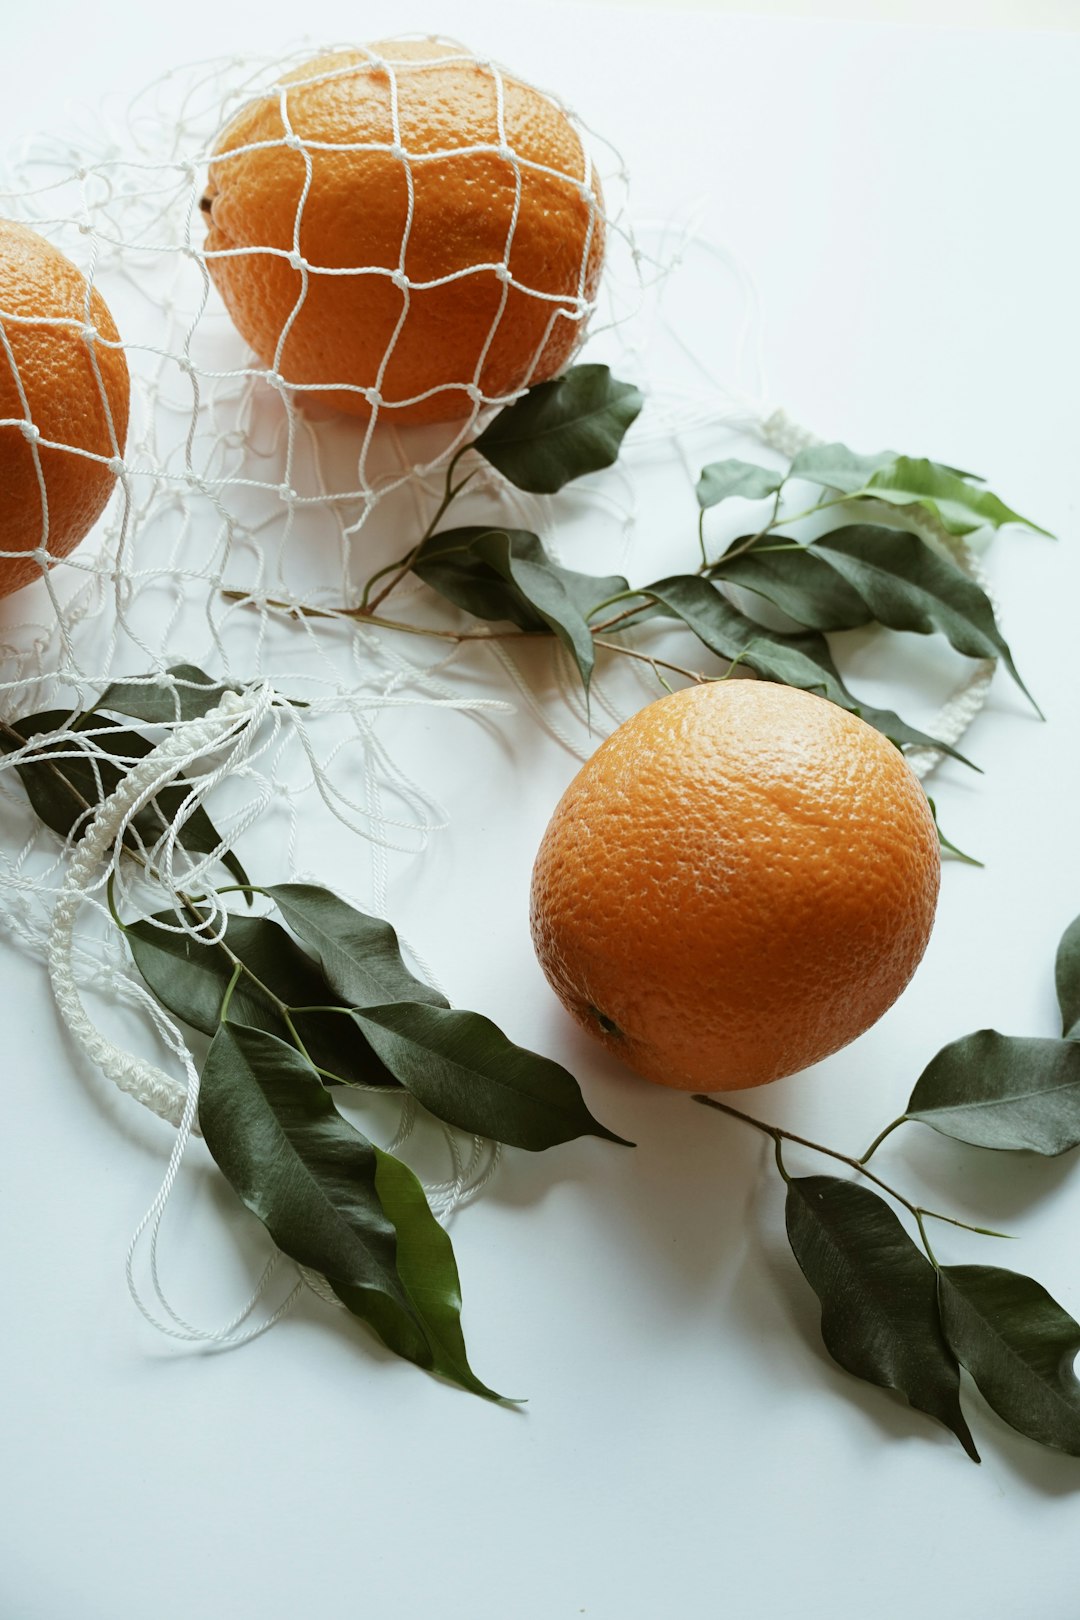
(148, 1084)
(235, 716)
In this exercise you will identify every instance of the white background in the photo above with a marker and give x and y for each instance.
(905, 200)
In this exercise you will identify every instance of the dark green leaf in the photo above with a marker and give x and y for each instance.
(958, 506)
(834, 466)
(800, 660)
(729, 634)
(1067, 979)
(801, 584)
(879, 1315)
(360, 955)
(429, 1275)
(68, 778)
(464, 1070)
(909, 586)
(184, 693)
(947, 844)
(313, 1181)
(450, 566)
(1014, 1092)
(1019, 1345)
(507, 574)
(190, 979)
(295, 1162)
(561, 430)
(722, 479)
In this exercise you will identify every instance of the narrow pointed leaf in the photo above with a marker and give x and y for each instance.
(65, 781)
(795, 580)
(190, 979)
(959, 507)
(909, 586)
(719, 626)
(1067, 979)
(360, 955)
(307, 1174)
(879, 1314)
(295, 1162)
(1019, 1345)
(453, 563)
(450, 565)
(507, 574)
(464, 1070)
(561, 430)
(946, 843)
(722, 479)
(187, 695)
(318, 1186)
(802, 660)
(1015, 1092)
(834, 466)
(429, 1275)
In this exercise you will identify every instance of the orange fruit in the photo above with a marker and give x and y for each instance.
(64, 392)
(740, 880)
(403, 266)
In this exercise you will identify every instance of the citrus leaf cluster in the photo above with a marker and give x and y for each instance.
(867, 569)
(329, 1001)
(295, 1007)
(891, 1313)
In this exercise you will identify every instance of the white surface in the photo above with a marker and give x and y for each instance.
(936, 13)
(905, 205)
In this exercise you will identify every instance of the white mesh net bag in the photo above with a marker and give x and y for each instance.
(323, 277)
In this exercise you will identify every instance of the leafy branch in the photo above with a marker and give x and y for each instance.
(866, 570)
(295, 1009)
(897, 1317)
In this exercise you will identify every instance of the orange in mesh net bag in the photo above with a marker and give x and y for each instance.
(64, 395)
(401, 226)
(740, 881)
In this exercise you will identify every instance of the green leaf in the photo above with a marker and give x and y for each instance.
(1067, 979)
(190, 979)
(834, 466)
(722, 479)
(157, 702)
(464, 1070)
(879, 1314)
(561, 430)
(1013, 1092)
(448, 563)
(958, 506)
(790, 576)
(946, 843)
(65, 780)
(946, 491)
(1019, 1345)
(360, 955)
(429, 1275)
(909, 586)
(314, 1182)
(507, 574)
(801, 660)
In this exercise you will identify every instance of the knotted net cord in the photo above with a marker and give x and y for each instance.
(226, 483)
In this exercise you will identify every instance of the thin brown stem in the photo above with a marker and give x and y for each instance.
(917, 1211)
(399, 570)
(618, 618)
(647, 658)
